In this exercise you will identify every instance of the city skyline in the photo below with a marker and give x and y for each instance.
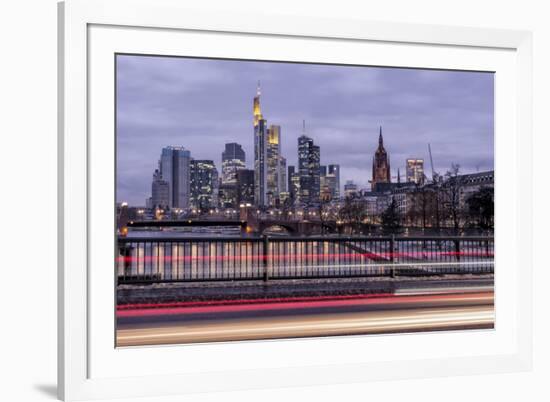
(173, 101)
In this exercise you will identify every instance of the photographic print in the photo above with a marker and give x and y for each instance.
(266, 200)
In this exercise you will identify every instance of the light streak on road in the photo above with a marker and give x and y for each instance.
(429, 312)
(334, 324)
(281, 304)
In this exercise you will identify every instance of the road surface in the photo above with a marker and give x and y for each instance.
(410, 311)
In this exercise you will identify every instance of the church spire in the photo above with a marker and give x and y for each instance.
(381, 172)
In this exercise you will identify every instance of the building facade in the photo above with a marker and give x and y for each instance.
(282, 176)
(293, 185)
(159, 192)
(175, 170)
(228, 196)
(330, 183)
(415, 171)
(473, 182)
(276, 166)
(333, 173)
(233, 160)
(309, 170)
(350, 189)
(204, 184)
(245, 186)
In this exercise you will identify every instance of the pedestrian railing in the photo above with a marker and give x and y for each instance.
(176, 259)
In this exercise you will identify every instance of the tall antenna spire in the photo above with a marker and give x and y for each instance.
(380, 139)
(304, 126)
(257, 110)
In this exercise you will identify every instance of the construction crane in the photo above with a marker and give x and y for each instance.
(431, 161)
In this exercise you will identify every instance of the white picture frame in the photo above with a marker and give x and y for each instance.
(90, 367)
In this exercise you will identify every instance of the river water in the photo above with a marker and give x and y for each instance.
(222, 254)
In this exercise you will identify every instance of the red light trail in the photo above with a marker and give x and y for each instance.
(300, 257)
(292, 304)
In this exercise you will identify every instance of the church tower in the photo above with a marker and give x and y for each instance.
(380, 164)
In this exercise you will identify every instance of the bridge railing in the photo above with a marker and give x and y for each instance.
(176, 259)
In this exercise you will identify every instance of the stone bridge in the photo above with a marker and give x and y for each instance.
(292, 227)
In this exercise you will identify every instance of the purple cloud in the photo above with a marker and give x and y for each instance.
(202, 104)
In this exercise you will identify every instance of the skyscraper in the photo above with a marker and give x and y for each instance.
(293, 185)
(415, 171)
(245, 186)
(233, 159)
(273, 163)
(174, 168)
(204, 184)
(228, 196)
(330, 182)
(305, 145)
(309, 169)
(315, 166)
(159, 191)
(380, 164)
(260, 153)
(282, 175)
(334, 184)
(325, 193)
(290, 172)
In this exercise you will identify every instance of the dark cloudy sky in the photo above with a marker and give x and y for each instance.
(202, 104)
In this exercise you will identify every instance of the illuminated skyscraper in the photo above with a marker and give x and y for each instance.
(282, 175)
(309, 170)
(380, 164)
(334, 183)
(415, 171)
(273, 162)
(228, 196)
(324, 194)
(269, 165)
(276, 165)
(174, 168)
(233, 159)
(293, 185)
(204, 184)
(330, 182)
(315, 166)
(260, 153)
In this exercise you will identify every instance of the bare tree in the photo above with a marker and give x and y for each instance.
(391, 219)
(451, 197)
(421, 206)
(353, 213)
(323, 209)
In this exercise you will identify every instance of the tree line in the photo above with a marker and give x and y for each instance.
(443, 205)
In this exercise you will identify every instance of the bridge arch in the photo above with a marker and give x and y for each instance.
(329, 226)
(264, 227)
